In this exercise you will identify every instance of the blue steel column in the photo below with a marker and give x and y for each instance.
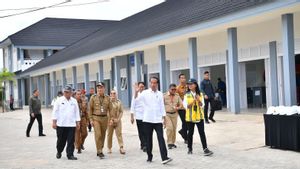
(273, 73)
(289, 74)
(117, 74)
(23, 91)
(233, 71)
(63, 78)
(54, 92)
(137, 66)
(86, 77)
(193, 61)
(100, 71)
(47, 86)
(74, 77)
(162, 67)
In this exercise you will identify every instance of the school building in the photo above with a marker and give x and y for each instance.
(254, 46)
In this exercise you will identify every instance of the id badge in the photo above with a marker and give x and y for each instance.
(102, 109)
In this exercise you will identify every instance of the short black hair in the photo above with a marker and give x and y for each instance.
(60, 93)
(141, 83)
(35, 90)
(172, 85)
(154, 77)
(181, 74)
(206, 72)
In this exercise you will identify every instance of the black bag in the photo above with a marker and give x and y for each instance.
(216, 105)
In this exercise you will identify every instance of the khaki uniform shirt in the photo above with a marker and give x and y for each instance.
(117, 110)
(99, 106)
(83, 107)
(171, 102)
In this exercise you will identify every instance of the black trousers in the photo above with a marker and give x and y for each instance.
(158, 127)
(183, 130)
(200, 126)
(11, 106)
(141, 131)
(212, 112)
(65, 135)
(39, 119)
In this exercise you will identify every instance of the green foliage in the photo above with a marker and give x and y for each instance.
(6, 76)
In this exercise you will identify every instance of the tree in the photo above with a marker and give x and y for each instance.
(5, 76)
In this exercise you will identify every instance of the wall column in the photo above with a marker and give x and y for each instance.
(289, 74)
(193, 61)
(86, 77)
(74, 77)
(162, 68)
(100, 71)
(232, 62)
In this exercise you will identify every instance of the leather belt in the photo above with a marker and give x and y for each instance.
(104, 115)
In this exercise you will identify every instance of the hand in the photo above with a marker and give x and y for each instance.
(136, 87)
(92, 123)
(132, 119)
(54, 125)
(32, 114)
(164, 123)
(77, 125)
(200, 103)
(111, 122)
(206, 97)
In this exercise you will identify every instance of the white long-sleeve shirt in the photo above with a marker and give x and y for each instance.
(137, 107)
(153, 106)
(66, 112)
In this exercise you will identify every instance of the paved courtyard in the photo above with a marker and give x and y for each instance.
(237, 142)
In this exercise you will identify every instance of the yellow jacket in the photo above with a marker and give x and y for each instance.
(193, 114)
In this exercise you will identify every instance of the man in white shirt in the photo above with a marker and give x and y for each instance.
(137, 112)
(154, 118)
(66, 118)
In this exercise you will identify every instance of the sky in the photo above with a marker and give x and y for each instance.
(97, 9)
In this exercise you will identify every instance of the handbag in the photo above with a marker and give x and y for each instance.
(216, 105)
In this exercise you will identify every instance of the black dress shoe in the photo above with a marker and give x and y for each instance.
(82, 147)
(42, 134)
(72, 158)
(79, 151)
(58, 155)
(206, 121)
(27, 135)
(101, 155)
(213, 120)
(170, 146)
(149, 160)
(190, 152)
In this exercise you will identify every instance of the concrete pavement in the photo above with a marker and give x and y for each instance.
(236, 140)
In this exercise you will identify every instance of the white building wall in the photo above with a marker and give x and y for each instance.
(151, 58)
(93, 71)
(80, 74)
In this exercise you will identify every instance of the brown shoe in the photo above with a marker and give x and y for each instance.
(122, 151)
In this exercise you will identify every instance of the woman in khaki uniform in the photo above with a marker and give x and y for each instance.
(115, 123)
(81, 133)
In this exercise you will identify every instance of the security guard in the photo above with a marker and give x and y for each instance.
(100, 106)
(115, 122)
(81, 133)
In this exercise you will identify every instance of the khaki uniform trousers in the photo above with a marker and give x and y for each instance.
(100, 126)
(118, 130)
(81, 133)
(171, 125)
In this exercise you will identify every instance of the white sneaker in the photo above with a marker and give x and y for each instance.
(167, 161)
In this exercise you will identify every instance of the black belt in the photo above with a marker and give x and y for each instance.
(171, 112)
(100, 115)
